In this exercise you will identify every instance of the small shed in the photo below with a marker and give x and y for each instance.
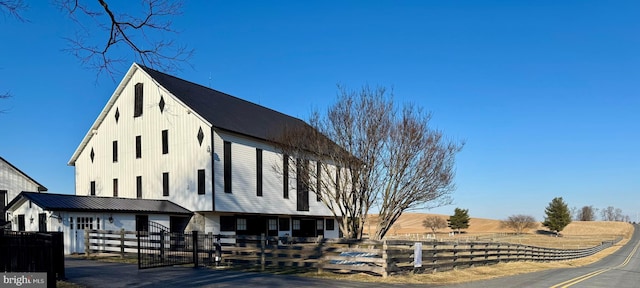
(72, 215)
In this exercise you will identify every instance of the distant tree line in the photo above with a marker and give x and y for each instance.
(589, 213)
(557, 217)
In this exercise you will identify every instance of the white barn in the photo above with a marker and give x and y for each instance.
(12, 182)
(163, 138)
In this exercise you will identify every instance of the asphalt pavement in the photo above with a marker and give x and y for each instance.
(91, 273)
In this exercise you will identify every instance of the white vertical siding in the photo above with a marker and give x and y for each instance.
(14, 182)
(186, 155)
(243, 197)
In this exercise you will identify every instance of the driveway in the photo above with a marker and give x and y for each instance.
(91, 273)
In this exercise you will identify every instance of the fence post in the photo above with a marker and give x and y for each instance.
(263, 241)
(385, 258)
(86, 243)
(471, 255)
(435, 258)
(194, 240)
(122, 243)
(162, 245)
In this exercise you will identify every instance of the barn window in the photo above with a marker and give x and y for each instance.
(201, 181)
(139, 187)
(227, 223)
(115, 151)
(161, 104)
(273, 224)
(283, 224)
(318, 181)
(259, 172)
(115, 187)
(227, 167)
(296, 224)
(165, 141)
(142, 223)
(137, 107)
(285, 176)
(92, 191)
(200, 136)
(329, 224)
(241, 224)
(138, 147)
(165, 184)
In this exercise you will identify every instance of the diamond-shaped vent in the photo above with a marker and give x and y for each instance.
(117, 115)
(200, 136)
(92, 155)
(161, 104)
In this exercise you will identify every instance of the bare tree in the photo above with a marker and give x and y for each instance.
(142, 32)
(385, 157)
(434, 223)
(519, 223)
(612, 214)
(586, 213)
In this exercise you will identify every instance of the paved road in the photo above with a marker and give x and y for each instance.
(92, 273)
(621, 269)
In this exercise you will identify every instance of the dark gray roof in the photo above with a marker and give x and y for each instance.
(64, 202)
(227, 112)
(40, 187)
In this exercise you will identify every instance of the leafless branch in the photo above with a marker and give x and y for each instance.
(144, 34)
(13, 8)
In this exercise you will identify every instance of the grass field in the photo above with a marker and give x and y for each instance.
(578, 234)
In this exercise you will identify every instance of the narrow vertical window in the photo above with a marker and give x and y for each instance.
(259, 172)
(227, 167)
(3, 205)
(115, 187)
(201, 181)
(318, 181)
(138, 147)
(137, 107)
(337, 184)
(302, 184)
(165, 141)
(93, 188)
(285, 176)
(139, 187)
(165, 184)
(115, 151)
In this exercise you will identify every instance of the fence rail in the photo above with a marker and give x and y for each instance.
(376, 257)
(33, 252)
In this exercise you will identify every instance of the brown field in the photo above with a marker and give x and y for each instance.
(575, 235)
(578, 234)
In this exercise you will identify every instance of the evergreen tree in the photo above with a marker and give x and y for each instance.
(558, 215)
(459, 219)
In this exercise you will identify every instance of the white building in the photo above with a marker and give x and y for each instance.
(12, 182)
(72, 215)
(160, 137)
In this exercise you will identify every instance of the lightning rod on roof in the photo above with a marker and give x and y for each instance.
(209, 79)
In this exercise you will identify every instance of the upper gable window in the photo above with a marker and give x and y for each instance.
(137, 108)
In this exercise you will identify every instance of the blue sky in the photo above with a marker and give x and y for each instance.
(545, 93)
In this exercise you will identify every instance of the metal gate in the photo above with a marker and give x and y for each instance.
(157, 247)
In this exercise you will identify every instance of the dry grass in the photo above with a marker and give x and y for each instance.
(576, 234)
